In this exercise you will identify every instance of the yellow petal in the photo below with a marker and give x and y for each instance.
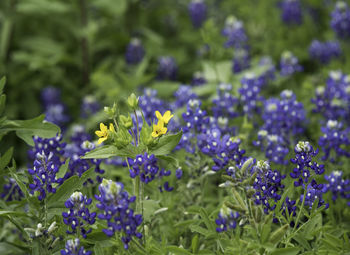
(167, 114)
(159, 115)
(102, 139)
(163, 130)
(99, 133)
(154, 134)
(103, 127)
(111, 127)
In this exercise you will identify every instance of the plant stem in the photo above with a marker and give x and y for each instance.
(137, 128)
(301, 208)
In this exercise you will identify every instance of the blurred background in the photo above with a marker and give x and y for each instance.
(93, 53)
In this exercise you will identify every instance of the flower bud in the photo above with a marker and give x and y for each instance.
(111, 112)
(126, 121)
(133, 101)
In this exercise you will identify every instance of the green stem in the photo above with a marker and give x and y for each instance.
(301, 208)
(137, 128)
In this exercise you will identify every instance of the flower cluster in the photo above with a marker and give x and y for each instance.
(167, 68)
(134, 52)
(235, 33)
(267, 185)
(340, 22)
(324, 52)
(241, 60)
(182, 96)
(44, 175)
(334, 138)
(224, 104)
(289, 64)
(198, 79)
(332, 101)
(73, 247)
(115, 204)
(145, 166)
(304, 153)
(275, 147)
(78, 217)
(250, 94)
(227, 219)
(313, 193)
(11, 191)
(198, 12)
(291, 12)
(149, 103)
(89, 106)
(53, 106)
(195, 118)
(337, 186)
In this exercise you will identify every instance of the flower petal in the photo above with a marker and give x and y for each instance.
(102, 139)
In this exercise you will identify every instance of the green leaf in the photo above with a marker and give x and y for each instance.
(63, 169)
(26, 129)
(150, 206)
(7, 248)
(170, 160)
(178, 251)
(2, 84)
(109, 151)
(200, 230)
(2, 103)
(98, 250)
(195, 244)
(286, 251)
(6, 158)
(166, 144)
(74, 183)
(6, 213)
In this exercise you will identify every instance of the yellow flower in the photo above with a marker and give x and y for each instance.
(159, 129)
(103, 132)
(165, 118)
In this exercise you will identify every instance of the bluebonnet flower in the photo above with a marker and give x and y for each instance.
(145, 166)
(337, 185)
(270, 69)
(198, 12)
(324, 52)
(241, 60)
(224, 104)
(267, 185)
(227, 219)
(291, 12)
(332, 101)
(334, 138)
(289, 64)
(73, 247)
(183, 94)
(195, 118)
(50, 96)
(289, 205)
(11, 191)
(79, 218)
(340, 22)
(284, 117)
(134, 52)
(198, 79)
(250, 94)
(235, 33)
(178, 173)
(186, 141)
(167, 68)
(89, 106)
(149, 103)
(304, 153)
(44, 175)
(222, 149)
(55, 113)
(314, 192)
(275, 147)
(115, 204)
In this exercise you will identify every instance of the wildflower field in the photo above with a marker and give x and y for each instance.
(174, 127)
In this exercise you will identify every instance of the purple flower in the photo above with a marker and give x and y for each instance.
(145, 166)
(167, 68)
(198, 12)
(324, 52)
(314, 192)
(340, 22)
(198, 79)
(241, 60)
(115, 204)
(337, 185)
(11, 191)
(44, 175)
(291, 12)
(78, 217)
(289, 64)
(89, 106)
(227, 219)
(235, 33)
(304, 153)
(134, 52)
(73, 247)
(225, 104)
